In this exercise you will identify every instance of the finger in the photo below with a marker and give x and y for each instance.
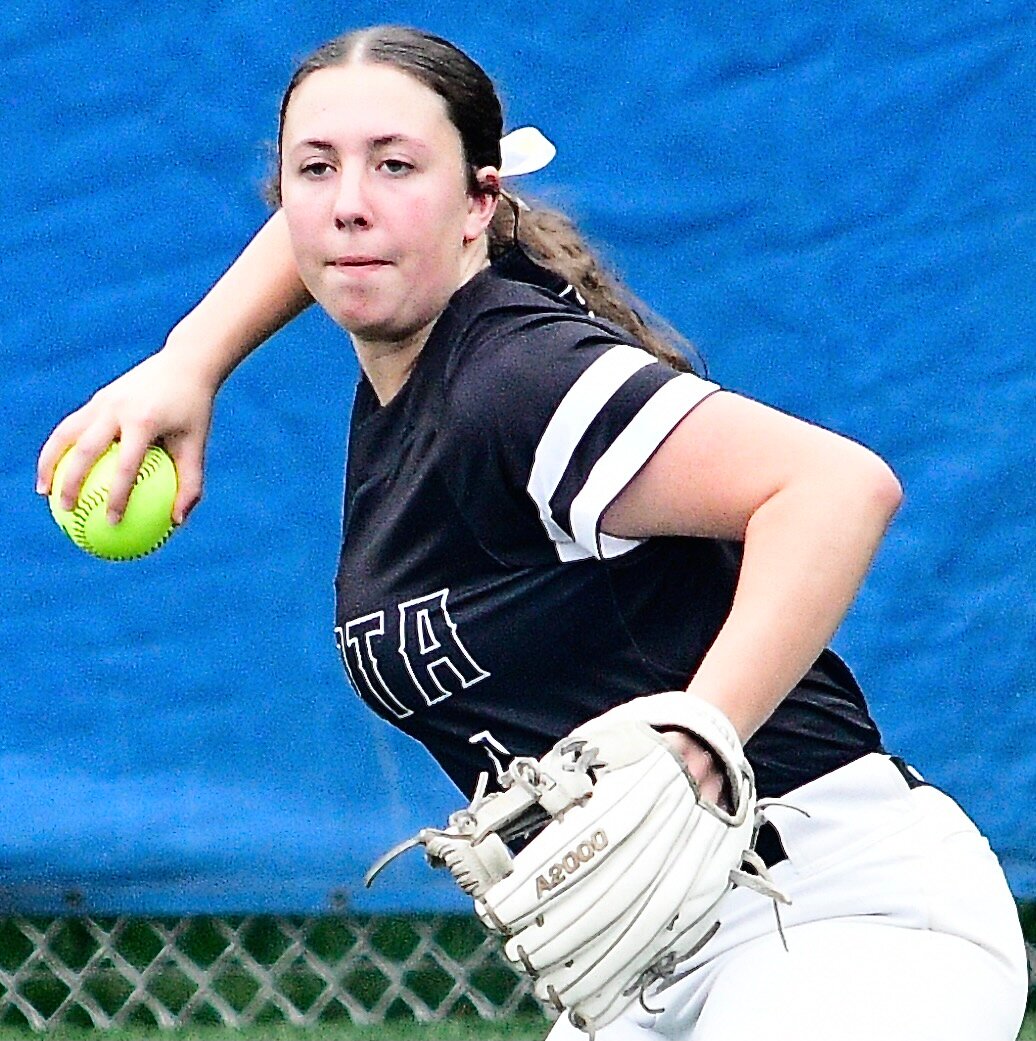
(189, 456)
(699, 762)
(132, 446)
(88, 448)
(62, 437)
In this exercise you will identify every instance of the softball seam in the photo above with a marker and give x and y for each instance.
(85, 507)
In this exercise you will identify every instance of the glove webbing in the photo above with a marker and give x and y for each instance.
(531, 798)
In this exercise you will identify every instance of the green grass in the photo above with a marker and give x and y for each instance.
(526, 1028)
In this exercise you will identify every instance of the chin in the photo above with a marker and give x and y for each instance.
(359, 322)
(385, 329)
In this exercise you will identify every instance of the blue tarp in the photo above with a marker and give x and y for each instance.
(837, 203)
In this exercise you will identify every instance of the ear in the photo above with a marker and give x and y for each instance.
(482, 204)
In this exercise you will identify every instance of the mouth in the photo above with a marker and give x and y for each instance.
(357, 263)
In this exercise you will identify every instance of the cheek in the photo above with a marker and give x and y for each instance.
(299, 217)
(435, 230)
(303, 226)
(412, 216)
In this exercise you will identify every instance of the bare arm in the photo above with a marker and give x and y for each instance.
(258, 295)
(811, 508)
(169, 395)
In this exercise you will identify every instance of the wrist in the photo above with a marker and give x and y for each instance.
(734, 712)
(199, 352)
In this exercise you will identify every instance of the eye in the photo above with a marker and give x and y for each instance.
(315, 168)
(395, 167)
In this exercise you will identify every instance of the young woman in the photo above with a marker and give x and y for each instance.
(547, 515)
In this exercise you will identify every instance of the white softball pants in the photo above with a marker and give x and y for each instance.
(901, 928)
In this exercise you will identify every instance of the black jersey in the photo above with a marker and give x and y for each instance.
(479, 606)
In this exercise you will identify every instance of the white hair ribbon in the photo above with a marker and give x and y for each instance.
(523, 151)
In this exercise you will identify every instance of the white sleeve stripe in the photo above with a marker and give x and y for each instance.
(627, 454)
(568, 550)
(577, 410)
(613, 547)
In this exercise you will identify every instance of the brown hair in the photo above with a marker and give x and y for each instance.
(474, 109)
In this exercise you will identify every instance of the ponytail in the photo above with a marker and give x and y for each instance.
(552, 240)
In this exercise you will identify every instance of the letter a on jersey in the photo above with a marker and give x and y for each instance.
(437, 660)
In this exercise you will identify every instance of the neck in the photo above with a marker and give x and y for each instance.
(387, 363)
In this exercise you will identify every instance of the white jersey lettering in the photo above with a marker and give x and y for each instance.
(435, 657)
(356, 645)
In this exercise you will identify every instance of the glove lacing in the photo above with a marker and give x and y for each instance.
(752, 874)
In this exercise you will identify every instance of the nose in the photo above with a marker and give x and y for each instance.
(352, 207)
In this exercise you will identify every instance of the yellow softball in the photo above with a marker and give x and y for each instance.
(147, 521)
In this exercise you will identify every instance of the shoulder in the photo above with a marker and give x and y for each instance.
(492, 306)
(513, 340)
(545, 401)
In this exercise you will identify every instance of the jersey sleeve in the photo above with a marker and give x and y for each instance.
(568, 415)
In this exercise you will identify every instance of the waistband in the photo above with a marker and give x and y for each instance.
(769, 844)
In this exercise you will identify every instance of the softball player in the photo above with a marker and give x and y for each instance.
(546, 515)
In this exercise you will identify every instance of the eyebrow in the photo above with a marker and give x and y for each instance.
(395, 139)
(382, 141)
(313, 143)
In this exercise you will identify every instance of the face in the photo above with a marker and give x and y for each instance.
(374, 189)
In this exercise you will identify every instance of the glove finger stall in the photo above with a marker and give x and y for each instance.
(621, 953)
(617, 808)
(574, 921)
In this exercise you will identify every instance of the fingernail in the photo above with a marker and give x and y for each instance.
(40, 489)
(113, 517)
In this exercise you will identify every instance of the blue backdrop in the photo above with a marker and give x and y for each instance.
(836, 202)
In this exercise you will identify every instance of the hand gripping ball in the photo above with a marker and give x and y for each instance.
(147, 521)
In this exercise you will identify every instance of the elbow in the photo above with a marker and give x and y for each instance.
(888, 491)
(878, 487)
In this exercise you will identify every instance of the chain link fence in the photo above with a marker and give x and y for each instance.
(124, 972)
